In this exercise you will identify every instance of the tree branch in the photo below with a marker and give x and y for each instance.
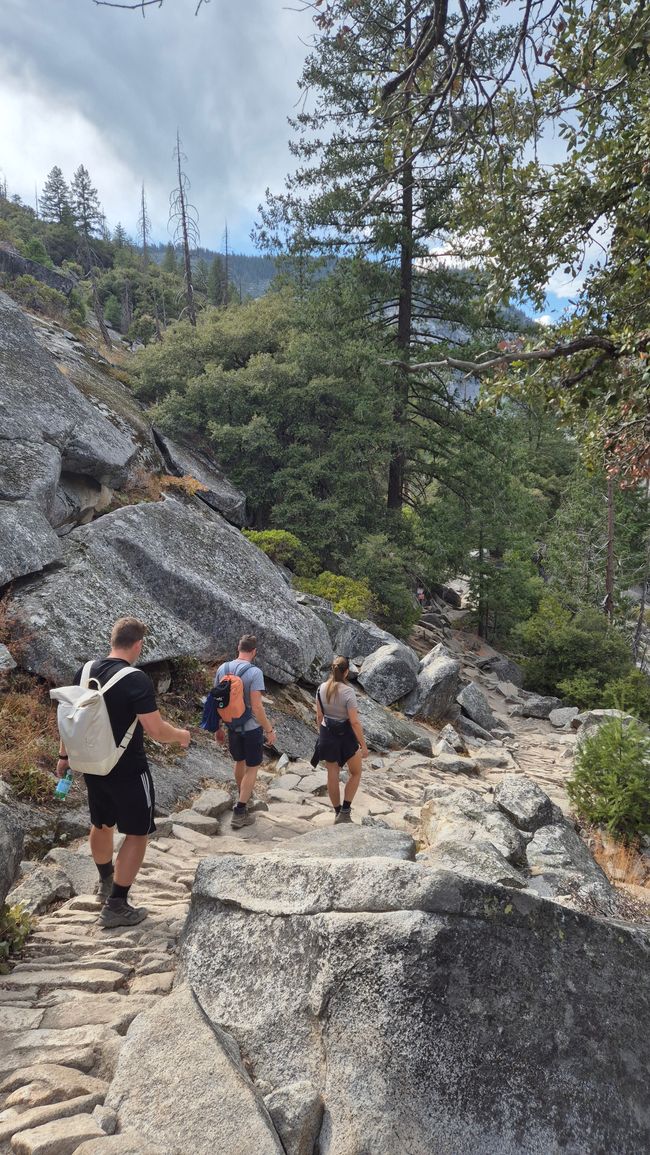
(569, 349)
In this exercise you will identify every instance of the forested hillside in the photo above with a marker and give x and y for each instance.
(345, 401)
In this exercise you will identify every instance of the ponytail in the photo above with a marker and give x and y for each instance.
(340, 667)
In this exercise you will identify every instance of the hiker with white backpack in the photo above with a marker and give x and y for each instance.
(102, 719)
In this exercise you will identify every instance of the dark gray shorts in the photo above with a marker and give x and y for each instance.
(247, 746)
(123, 800)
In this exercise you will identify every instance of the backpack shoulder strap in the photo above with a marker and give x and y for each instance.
(241, 663)
(118, 677)
(84, 681)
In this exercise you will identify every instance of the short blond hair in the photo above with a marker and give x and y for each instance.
(126, 632)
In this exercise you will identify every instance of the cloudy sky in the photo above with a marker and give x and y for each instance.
(107, 88)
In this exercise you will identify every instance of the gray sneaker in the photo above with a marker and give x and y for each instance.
(104, 888)
(118, 912)
(241, 818)
(343, 816)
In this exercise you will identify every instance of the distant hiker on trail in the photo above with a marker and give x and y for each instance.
(421, 597)
(245, 720)
(108, 735)
(340, 737)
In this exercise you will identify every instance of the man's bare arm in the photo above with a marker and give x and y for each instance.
(157, 728)
(259, 713)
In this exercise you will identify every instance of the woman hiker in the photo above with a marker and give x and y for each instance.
(340, 737)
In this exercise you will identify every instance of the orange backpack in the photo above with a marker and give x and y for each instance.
(228, 695)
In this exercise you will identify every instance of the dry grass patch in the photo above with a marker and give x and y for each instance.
(28, 737)
(621, 863)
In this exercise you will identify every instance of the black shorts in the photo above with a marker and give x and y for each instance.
(126, 801)
(336, 745)
(247, 746)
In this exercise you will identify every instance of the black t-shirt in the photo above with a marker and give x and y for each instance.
(131, 696)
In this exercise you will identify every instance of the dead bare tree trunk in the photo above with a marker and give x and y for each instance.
(608, 604)
(226, 279)
(397, 466)
(187, 229)
(144, 228)
(645, 582)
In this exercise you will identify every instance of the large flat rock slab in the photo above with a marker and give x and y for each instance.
(219, 492)
(352, 841)
(180, 1083)
(195, 580)
(410, 995)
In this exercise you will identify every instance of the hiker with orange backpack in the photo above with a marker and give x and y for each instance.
(237, 695)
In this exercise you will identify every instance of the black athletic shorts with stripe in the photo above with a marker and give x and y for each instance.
(125, 800)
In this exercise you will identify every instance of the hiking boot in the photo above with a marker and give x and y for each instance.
(343, 816)
(118, 912)
(104, 888)
(241, 818)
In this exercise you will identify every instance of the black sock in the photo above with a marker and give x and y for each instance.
(121, 892)
(347, 805)
(337, 809)
(240, 805)
(105, 869)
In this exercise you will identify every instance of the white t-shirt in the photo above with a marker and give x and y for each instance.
(342, 701)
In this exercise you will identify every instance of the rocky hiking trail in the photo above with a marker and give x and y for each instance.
(490, 809)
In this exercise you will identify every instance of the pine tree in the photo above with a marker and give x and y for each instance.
(120, 238)
(86, 209)
(54, 201)
(201, 275)
(169, 262)
(217, 281)
(367, 184)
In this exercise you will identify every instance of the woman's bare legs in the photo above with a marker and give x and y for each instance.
(354, 776)
(333, 784)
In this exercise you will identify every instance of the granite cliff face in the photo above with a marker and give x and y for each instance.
(81, 550)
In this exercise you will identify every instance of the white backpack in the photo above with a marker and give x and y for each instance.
(84, 724)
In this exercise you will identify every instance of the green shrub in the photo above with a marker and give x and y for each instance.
(38, 297)
(15, 925)
(35, 250)
(347, 595)
(286, 549)
(113, 312)
(555, 645)
(631, 694)
(581, 690)
(380, 563)
(32, 783)
(610, 785)
(76, 307)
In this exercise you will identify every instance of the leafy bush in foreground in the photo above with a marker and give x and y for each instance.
(610, 785)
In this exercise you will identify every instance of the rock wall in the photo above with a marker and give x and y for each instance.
(71, 439)
(180, 567)
(432, 1012)
(12, 263)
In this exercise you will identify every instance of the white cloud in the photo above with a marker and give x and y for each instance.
(105, 88)
(38, 135)
(546, 320)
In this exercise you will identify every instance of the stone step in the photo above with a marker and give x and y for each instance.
(109, 964)
(20, 1018)
(61, 1137)
(82, 1059)
(93, 979)
(116, 1011)
(35, 1117)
